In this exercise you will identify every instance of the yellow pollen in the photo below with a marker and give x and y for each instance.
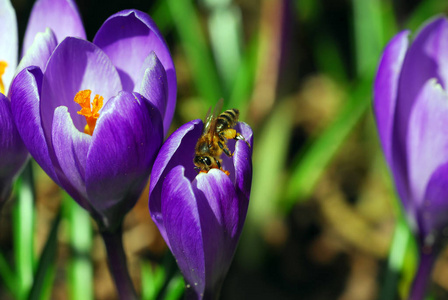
(3, 66)
(91, 113)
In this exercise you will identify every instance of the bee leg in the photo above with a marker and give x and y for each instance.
(240, 137)
(224, 148)
(227, 151)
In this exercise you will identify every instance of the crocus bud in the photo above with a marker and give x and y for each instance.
(201, 215)
(411, 111)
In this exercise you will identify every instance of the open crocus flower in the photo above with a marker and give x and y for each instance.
(13, 153)
(411, 110)
(93, 115)
(62, 15)
(201, 216)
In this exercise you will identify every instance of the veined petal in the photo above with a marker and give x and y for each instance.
(128, 134)
(242, 160)
(25, 101)
(183, 228)
(178, 149)
(40, 51)
(128, 37)
(75, 65)
(154, 86)
(219, 213)
(229, 163)
(13, 153)
(61, 16)
(427, 145)
(433, 210)
(386, 87)
(9, 46)
(70, 147)
(420, 64)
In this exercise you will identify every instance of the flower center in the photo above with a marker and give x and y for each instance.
(3, 66)
(91, 113)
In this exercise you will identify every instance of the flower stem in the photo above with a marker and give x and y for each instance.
(423, 275)
(80, 270)
(23, 216)
(117, 264)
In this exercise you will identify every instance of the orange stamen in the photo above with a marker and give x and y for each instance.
(3, 66)
(91, 113)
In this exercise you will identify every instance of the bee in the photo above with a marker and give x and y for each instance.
(213, 142)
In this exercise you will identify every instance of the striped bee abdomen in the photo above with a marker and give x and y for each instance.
(227, 119)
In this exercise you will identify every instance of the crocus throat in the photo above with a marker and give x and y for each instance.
(3, 66)
(91, 113)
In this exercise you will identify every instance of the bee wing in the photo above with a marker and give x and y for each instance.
(218, 108)
(210, 118)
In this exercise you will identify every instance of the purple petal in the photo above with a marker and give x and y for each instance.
(24, 94)
(422, 62)
(228, 163)
(128, 134)
(128, 37)
(75, 65)
(183, 228)
(427, 145)
(385, 90)
(9, 46)
(219, 214)
(13, 153)
(40, 51)
(61, 16)
(433, 217)
(178, 149)
(242, 160)
(154, 86)
(25, 107)
(70, 147)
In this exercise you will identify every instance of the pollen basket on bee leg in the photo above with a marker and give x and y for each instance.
(90, 112)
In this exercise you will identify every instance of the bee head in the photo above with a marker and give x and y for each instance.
(202, 162)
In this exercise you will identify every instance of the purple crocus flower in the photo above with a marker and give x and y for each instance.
(411, 110)
(201, 216)
(13, 153)
(102, 152)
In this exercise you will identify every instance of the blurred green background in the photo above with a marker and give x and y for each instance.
(323, 220)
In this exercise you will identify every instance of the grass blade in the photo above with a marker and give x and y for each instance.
(175, 288)
(270, 152)
(245, 77)
(313, 161)
(8, 276)
(225, 29)
(162, 16)
(153, 278)
(205, 76)
(46, 269)
(80, 270)
(23, 218)
(368, 34)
